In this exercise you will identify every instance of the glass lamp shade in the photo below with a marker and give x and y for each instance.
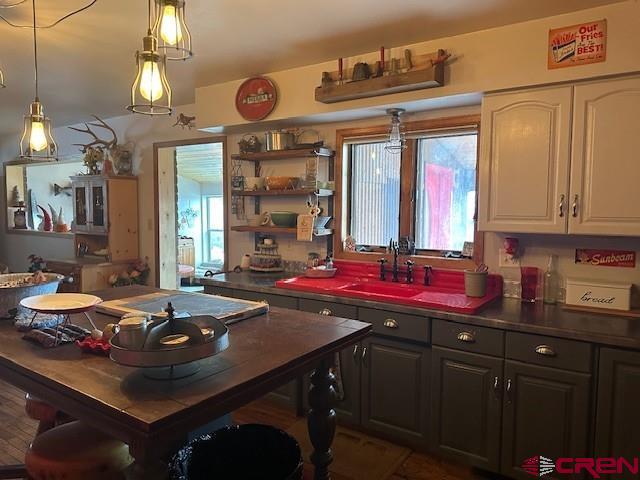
(2, 85)
(396, 142)
(170, 28)
(37, 142)
(150, 92)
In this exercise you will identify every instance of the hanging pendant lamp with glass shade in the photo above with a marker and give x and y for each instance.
(2, 85)
(396, 142)
(150, 92)
(37, 142)
(170, 28)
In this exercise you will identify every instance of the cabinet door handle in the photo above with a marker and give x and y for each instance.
(574, 206)
(326, 311)
(508, 390)
(466, 337)
(355, 353)
(364, 355)
(545, 350)
(561, 206)
(390, 323)
(496, 388)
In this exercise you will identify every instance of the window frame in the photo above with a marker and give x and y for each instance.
(206, 230)
(408, 174)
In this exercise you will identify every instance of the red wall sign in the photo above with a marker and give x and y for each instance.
(256, 98)
(577, 45)
(606, 258)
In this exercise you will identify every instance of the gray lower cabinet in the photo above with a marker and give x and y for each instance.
(545, 412)
(348, 405)
(466, 406)
(395, 389)
(618, 416)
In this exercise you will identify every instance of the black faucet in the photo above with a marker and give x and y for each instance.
(428, 271)
(383, 272)
(394, 270)
(409, 264)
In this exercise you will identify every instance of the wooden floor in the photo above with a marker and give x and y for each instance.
(17, 430)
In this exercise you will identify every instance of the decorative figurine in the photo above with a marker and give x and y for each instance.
(185, 121)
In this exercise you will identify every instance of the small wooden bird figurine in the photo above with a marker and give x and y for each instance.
(185, 121)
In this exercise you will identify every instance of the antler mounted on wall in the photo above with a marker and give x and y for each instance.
(100, 151)
(97, 141)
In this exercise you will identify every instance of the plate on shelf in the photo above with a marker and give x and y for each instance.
(61, 303)
(320, 272)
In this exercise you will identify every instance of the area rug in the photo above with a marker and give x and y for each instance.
(356, 456)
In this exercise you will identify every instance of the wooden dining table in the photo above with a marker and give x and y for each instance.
(154, 417)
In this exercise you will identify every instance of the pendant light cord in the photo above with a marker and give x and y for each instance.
(51, 25)
(149, 15)
(35, 47)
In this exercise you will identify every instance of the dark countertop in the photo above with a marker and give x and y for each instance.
(506, 314)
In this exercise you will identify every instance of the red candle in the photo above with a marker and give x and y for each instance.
(382, 56)
(340, 68)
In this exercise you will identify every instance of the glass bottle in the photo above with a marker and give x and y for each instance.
(550, 283)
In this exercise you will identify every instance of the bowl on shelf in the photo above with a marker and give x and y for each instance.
(281, 183)
(284, 219)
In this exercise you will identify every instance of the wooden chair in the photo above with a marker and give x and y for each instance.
(75, 451)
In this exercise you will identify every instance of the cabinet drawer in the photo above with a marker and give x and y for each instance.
(549, 351)
(222, 291)
(468, 338)
(330, 308)
(272, 300)
(395, 324)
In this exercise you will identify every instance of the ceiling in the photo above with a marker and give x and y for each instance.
(87, 62)
(201, 163)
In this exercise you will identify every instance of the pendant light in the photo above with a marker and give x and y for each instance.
(2, 85)
(36, 142)
(150, 92)
(170, 28)
(396, 142)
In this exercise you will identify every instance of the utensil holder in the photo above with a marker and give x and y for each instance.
(475, 283)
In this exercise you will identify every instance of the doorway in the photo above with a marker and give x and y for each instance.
(191, 206)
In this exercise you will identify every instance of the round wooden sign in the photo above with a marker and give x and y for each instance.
(256, 98)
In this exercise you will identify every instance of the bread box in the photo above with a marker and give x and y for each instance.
(598, 294)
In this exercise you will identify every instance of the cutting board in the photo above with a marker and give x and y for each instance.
(228, 310)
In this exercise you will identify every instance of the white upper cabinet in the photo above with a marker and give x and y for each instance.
(524, 162)
(605, 159)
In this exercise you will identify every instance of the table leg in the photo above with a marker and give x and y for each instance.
(322, 419)
(146, 466)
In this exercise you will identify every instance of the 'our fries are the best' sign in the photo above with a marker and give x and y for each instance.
(577, 45)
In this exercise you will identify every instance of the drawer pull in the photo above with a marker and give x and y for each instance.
(496, 388)
(466, 337)
(561, 206)
(574, 206)
(364, 355)
(355, 353)
(390, 323)
(326, 312)
(545, 350)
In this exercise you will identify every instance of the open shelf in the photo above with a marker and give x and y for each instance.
(267, 193)
(267, 229)
(284, 154)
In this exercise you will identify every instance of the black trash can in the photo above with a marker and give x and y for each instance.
(239, 452)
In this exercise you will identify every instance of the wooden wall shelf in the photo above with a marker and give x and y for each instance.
(284, 154)
(417, 79)
(273, 193)
(267, 229)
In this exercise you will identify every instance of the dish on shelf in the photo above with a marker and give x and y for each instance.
(320, 272)
(281, 183)
(254, 183)
(284, 219)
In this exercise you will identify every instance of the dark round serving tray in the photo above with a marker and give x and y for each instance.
(165, 357)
